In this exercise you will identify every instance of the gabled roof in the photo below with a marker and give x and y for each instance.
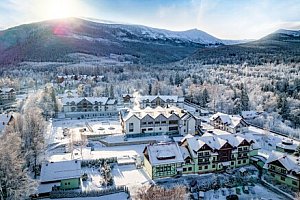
(4, 119)
(229, 120)
(56, 171)
(289, 162)
(92, 100)
(215, 142)
(162, 97)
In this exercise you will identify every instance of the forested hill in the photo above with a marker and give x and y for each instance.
(282, 46)
(53, 40)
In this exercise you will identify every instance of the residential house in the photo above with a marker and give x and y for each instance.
(163, 160)
(158, 121)
(7, 95)
(287, 145)
(63, 175)
(89, 107)
(229, 123)
(160, 100)
(5, 120)
(198, 154)
(284, 169)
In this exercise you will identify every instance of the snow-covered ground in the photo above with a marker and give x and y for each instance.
(255, 192)
(130, 176)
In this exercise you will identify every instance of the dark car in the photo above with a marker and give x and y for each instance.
(232, 197)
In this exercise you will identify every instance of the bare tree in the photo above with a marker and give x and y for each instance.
(160, 193)
(15, 182)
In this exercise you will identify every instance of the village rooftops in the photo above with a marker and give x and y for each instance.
(164, 153)
(76, 100)
(6, 90)
(57, 171)
(165, 98)
(153, 112)
(215, 142)
(229, 120)
(291, 163)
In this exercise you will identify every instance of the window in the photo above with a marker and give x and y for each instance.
(200, 167)
(144, 123)
(150, 129)
(173, 128)
(173, 122)
(232, 156)
(143, 130)
(213, 166)
(240, 149)
(239, 162)
(244, 161)
(130, 127)
(272, 167)
(205, 167)
(214, 158)
(201, 154)
(232, 163)
(184, 169)
(294, 183)
(150, 122)
(157, 122)
(283, 171)
(245, 148)
(206, 153)
(282, 178)
(272, 174)
(163, 122)
(190, 168)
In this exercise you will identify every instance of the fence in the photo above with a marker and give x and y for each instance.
(92, 193)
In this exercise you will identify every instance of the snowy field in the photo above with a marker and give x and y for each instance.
(256, 192)
(130, 176)
(100, 126)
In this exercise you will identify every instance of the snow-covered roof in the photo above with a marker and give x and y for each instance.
(56, 171)
(4, 119)
(214, 141)
(230, 120)
(163, 97)
(164, 153)
(291, 163)
(76, 100)
(6, 90)
(249, 114)
(111, 101)
(154, 112)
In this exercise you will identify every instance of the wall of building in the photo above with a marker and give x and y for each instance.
(70, 184)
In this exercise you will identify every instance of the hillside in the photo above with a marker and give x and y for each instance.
(282, 46)
(54, 40)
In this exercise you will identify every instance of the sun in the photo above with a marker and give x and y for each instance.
(53, 9)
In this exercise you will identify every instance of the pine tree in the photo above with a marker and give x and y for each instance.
(106, 92)
(244, 99)
(237, 106)
(283, 106)
(205, 97)
(111, 92)
(177, 79)
(171, 80)
(149, 89)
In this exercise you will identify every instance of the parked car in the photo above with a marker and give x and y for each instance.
(232, 197)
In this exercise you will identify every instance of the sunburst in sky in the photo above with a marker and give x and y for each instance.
(227, 19)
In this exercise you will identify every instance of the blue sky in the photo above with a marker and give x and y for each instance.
(227, 19)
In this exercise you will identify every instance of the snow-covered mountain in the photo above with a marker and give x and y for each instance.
(295, 33)
(54, 39)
